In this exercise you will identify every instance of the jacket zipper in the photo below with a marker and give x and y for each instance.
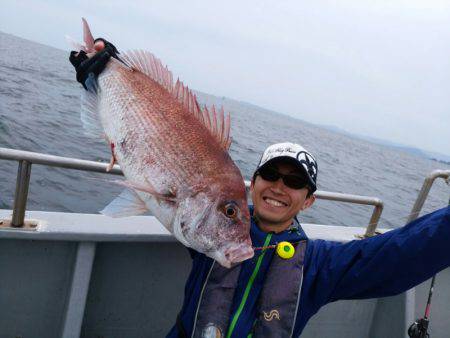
(248, 288)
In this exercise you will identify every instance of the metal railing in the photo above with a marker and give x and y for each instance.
(27, 158)
(423, 194)
(357, 199)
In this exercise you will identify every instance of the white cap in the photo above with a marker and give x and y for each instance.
(294, 151)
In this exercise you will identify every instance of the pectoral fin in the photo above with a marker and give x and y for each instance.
(128, 203)
(169, 196)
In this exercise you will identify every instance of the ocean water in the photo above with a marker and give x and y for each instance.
(39, 111)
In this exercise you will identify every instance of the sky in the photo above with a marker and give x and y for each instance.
(374, 68)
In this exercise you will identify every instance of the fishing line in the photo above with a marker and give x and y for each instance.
(273, 246)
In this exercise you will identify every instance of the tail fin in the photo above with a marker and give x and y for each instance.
(87, 36)
(88, 46)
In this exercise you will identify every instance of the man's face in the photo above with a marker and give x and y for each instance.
(275, 204)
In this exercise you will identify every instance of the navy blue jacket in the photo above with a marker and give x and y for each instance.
(379, 266)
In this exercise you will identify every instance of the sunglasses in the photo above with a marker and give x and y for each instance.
(292, 181)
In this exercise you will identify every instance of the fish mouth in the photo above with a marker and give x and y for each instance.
(239, 253)
(231, 255)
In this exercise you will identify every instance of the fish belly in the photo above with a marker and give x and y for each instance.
(135, 137)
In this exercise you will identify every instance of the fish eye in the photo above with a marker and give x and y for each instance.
(230, 210)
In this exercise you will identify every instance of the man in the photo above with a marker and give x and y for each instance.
(268, 287)
(276, 292)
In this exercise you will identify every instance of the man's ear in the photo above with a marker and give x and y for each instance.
(309, 202)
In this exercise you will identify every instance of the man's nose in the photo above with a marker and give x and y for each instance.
(278, 186)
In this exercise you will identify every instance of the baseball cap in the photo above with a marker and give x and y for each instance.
(297, 154)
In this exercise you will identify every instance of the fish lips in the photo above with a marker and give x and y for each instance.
(234, 254)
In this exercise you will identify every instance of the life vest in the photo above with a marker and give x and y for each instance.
(277, 305)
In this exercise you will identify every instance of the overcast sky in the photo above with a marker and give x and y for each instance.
(376, 68)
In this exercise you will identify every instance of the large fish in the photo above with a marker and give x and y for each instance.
(173, 154)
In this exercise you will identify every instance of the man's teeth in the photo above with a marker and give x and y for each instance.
(274, 202)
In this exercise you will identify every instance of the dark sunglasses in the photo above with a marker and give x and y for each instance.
(292, 181)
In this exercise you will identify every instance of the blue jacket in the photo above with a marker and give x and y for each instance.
(379, 266)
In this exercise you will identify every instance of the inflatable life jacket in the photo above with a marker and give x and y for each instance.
(277, 304)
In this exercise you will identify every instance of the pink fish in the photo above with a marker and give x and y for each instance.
(173, 153)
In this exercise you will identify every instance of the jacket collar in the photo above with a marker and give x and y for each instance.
(294, 232)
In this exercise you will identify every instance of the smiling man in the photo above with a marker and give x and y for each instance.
(277, 201)
(291, 277)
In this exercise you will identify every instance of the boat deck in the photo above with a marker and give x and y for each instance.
(92, 276)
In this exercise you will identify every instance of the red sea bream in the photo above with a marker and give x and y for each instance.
(173, 154)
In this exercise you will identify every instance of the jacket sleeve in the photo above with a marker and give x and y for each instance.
(379, 266)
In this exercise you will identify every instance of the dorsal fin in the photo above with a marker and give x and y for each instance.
(148, 64)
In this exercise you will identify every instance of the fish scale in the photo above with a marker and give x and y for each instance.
(163, 139)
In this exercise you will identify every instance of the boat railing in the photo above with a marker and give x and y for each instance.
(27, 158)
(425, 190)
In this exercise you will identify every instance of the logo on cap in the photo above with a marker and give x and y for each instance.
(309, 163)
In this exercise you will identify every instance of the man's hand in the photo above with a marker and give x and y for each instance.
(86, 65)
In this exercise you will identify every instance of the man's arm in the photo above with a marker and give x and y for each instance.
(383, 265)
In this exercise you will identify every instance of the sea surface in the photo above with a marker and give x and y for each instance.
(39, 111)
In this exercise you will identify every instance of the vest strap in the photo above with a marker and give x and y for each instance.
(280, 296)
(215, 307)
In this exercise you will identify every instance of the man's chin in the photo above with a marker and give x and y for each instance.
(266, 216)
(269, 222)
